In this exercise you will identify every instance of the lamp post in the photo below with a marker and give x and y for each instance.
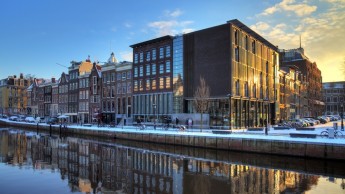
(230, 116)
(342, 117)
(267, 117)
(154, 115)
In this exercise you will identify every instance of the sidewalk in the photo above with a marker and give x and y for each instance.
(282, 135)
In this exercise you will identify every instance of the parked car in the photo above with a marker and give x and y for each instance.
(21, 118)
(310, 121)
(53, 121)
(13, 118)
(30, 120)
(322, 119)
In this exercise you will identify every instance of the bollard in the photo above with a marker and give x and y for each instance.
(266, 130)
(50, 130)
(37, 129)
(60, 130)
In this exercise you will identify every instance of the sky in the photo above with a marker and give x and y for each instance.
(41, 38)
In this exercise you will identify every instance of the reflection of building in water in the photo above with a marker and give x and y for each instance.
(92, 167)
(152, 172)
(207, 177)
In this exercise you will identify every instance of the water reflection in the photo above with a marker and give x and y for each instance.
(95, 167)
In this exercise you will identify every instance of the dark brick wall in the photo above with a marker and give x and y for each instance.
(207, 53)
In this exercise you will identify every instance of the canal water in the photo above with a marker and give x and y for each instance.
(39, 164)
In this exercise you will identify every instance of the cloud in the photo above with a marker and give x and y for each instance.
(127, 25)
(126, 56)
(173, 14)
(300, 9)
(169, 27)
(322, 35)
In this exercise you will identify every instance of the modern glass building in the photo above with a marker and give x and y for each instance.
(239, 66)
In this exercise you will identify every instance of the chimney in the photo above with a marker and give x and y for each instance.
(53, 79)
(21, 76)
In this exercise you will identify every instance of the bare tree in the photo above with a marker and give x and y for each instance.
(201, 98)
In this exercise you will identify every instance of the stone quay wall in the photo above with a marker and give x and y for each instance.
(276, 147)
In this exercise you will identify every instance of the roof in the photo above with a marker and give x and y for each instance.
(252, 33)
(160, 39)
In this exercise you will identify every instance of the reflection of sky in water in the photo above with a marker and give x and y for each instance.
(25, 179)
(327, 185)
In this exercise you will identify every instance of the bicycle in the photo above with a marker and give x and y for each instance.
(337, 133)
(141, 126)
(182, 128)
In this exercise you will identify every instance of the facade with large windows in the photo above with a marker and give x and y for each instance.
(152, 79)
(297, 58)
(239, 66)
(13, 95)
(292, 93)
(334, 97)
(116, 90)
(241, 69)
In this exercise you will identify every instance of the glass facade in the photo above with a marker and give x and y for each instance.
(253, 66)
(178, 74)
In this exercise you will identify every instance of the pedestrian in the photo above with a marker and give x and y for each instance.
(176, 121)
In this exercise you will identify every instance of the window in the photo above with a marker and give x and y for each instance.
(86, 82)
(112, 77)
(236, 37)
(135, 71)
(123, 76)
(135, 85)
(246, 42)
(118, 76)
(129, 87)
(148, 57)
(153, 84)
(161, 83)
(237, 55)
(167, 66)
(153, 69)
(124, 88)
(148, 72)
(167, 82)
(104, 77)
(129, 74)
(141, 87)
(118, 88)
(161, 68)
(254, 91)
(161, 52)
(148, 84)
(246, 92)
(112, 94)
(167, 51)
(141, 71)
(253, 46)
(141, 55)
(237, 84)
(153, 54)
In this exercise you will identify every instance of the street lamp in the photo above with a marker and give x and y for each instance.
(268, 116)
(229, 96)
(342, 117)
(154, 115)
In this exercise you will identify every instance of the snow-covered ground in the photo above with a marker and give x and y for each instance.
(282, 135)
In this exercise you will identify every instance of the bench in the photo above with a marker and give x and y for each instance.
(255, 129)
(305, 129)
(87, 125)
(221, 132)
(303, 135)
(281, 128)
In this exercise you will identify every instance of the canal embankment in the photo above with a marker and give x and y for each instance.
(267, 144)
